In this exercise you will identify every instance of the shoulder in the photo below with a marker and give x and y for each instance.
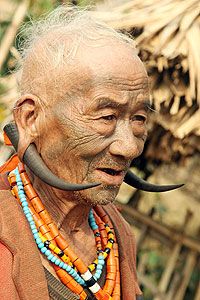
(8, 166)
(4, 184)
(123, 230)
(118, 220)
(6, 281)
(5, 258)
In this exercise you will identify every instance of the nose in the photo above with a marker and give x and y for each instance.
(125, 144)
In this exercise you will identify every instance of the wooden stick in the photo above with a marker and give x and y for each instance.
(148, 283)
(187, 272)
(163, 284)
(197, 294)
(166, 276)
(163, 229)
(173, 287)
(161, 238)
(142, 264)
(10, 33)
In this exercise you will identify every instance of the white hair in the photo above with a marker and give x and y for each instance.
(51, 43)
(77, 24)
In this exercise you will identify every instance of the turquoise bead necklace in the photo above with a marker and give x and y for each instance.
(41, 246)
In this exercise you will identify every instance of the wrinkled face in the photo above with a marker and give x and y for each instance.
(93, 134)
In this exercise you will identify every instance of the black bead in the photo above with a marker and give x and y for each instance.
(90, 282)
(106, 225)
(110, 232)
(111, 241)
(97, 234)
(47, 243)
(107, 250)
(61, 253)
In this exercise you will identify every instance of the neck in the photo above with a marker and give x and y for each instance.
(68, 214)
(66, 211)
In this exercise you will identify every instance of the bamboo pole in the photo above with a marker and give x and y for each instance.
(159, 237)
(187, 272)
(166, 276)
(173, 287)
(10, 33)
(150, 285)
(197, 295)
(163, 284)
(163, 229)
(141, 268)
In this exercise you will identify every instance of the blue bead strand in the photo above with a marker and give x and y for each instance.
(91, 220)
(52, 258)
(100, 258)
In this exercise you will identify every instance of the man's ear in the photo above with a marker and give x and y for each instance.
(25, 115)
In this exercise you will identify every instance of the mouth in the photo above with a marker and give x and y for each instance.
(110, 171)
(111, 176)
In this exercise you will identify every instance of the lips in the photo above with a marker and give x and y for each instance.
(110, 171)
(111, 176)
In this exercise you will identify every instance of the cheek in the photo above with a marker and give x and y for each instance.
(71, 157)
(83, 147)
(80, 136)
(53, 151)
(83, 140)
(103, 127)
(139, 130)
(140, 147)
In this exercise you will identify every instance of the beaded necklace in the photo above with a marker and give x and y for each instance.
(68, 266)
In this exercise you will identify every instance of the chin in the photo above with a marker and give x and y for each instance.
(102, 195)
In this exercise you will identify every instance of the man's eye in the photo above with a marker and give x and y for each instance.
(109, 117)
(139, 118)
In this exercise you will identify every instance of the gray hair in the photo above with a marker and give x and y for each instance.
(52, 42)
(67, 21)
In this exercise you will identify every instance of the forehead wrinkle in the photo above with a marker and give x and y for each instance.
(121, 84)
(137, 79)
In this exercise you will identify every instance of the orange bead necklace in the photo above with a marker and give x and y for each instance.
(71, 270)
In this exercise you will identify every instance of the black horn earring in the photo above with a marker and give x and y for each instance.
(140, 184)
(34, 162)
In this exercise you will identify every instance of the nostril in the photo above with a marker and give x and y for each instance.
(128, 149)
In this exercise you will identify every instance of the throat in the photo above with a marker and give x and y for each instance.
(67, 213)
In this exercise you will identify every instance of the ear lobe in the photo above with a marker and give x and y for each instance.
(25, 114)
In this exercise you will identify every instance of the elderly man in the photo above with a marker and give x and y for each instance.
(81, 119)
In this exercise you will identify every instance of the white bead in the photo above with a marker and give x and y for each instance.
(95, 288)
(87, 275)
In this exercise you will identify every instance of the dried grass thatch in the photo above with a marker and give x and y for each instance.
(167, 34)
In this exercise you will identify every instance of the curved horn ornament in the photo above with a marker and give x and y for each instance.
(35, 163)
(140, 184)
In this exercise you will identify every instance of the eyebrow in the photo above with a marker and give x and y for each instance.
(108, 102)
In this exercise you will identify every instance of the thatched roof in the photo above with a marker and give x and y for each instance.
(167, 34)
